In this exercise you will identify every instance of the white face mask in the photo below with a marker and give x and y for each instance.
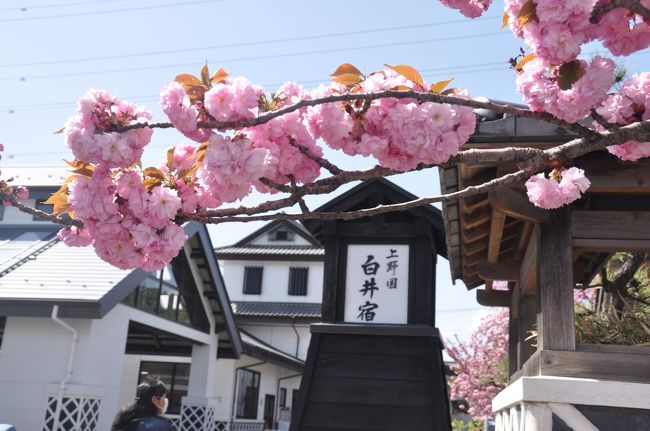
(163, 410)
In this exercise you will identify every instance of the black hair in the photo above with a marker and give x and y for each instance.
(142, 407)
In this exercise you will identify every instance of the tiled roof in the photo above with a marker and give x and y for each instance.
(257, 348)
(276, 309)
(270, 250)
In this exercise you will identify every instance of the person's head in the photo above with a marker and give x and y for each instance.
(152, 395)
(150, 400)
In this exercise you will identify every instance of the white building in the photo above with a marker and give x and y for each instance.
(274, 278)
(77, 335)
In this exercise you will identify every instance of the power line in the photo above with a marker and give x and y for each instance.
(49, 6)
(261, 57)
(450, 70)
(242, 44)
(132, 9)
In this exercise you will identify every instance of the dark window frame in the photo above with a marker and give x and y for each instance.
(3, 325)
(253, 276)
(282, 401)
(247, 403)
(172, 390)
(298, 280)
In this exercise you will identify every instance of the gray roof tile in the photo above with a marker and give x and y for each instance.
(276, 309)
(270, 250)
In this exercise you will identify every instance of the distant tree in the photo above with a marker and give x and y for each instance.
(481, 364)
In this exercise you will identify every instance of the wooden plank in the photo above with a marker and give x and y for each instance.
(608, 175)
(512, 344)
(596, 365)
(477, 218)
(605, 245)
(386, 367)
(439, 390)
(614, 348)
(515, 204)
(528, 269)
(611, 225)
(331, 277)
(526, 346)
(497, 222)
(370, 391)
(378, 329)
(305, 383)
(507, 270)
(493, 298)
(368, 417)
(376, 345)
(555, 315)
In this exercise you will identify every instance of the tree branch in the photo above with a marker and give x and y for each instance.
(631, 5)
(38, 213)
(420, 97)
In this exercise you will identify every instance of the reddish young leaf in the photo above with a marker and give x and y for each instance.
(527, 13)
(346, 68)
(150, 183)
(348, 79)
(525, 59)
(58, 132)
(60, 202)
(170, 158)
(187, 80)
(205, 75)
(154, 173)
(569, 73)
(219, 76)
(408, 72)
(449, 91)
(440, 85)
(504, 20)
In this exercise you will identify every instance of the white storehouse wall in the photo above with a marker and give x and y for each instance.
(275, 280)
(281, 336)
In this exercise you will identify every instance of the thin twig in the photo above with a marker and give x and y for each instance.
(38, 213)
(631, 5)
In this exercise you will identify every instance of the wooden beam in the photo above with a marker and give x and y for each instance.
(555, 315)
(528, 269)
(476, 218)
(608, 175)
(515, 204)
(493, 298)
(611, 225)
(604, 245)
(507, 270)
(496, 232)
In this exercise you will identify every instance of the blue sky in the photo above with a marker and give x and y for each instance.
(53, 51)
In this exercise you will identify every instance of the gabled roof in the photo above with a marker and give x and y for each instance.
(289, 224)
(361, 197)
(258, 349)
(48, 273)
(276, 309)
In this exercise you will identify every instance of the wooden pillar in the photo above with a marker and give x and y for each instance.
(526, 320)
(555, 315)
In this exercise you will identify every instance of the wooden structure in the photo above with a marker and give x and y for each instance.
(364, 375)
(543, 255)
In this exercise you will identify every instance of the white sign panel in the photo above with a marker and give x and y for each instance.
(376, 284)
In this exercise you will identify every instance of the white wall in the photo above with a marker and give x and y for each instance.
(269, 375)
(275, 281)
(282, 336)
(264, 240)
(34, 359)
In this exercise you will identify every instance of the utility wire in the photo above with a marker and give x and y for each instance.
(49, 6)
(260, 57)
(102, 12)
(450, 70)
(242, 44)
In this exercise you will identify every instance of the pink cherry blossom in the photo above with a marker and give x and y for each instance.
(87, 136)
(233, 99)
(182, 113)
(74, 236)
(550, 194)
(469, 8)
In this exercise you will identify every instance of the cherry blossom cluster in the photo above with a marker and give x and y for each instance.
(556, 29)
(19, 193)
(629, 105)
(399, 133)
(88, 137)
(469, 8)
(561, 189)
(542, 88)
(481, 364)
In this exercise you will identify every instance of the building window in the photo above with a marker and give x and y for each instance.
(283, 398)
(248, 390)
(253, 280)
(298, 281)
(281, 235)
(162, 294)
(175, 376)
(42, 206)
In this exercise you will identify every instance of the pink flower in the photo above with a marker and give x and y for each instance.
(162, 207)
(232, 100)
(74, 236)
(182, 114)
(550, 194)
(469, 8)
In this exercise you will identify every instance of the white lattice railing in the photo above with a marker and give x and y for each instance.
(219, 425)
(76, 413)
(244, 425)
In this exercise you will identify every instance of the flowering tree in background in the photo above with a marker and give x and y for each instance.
(481, 364)
(244, 138)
